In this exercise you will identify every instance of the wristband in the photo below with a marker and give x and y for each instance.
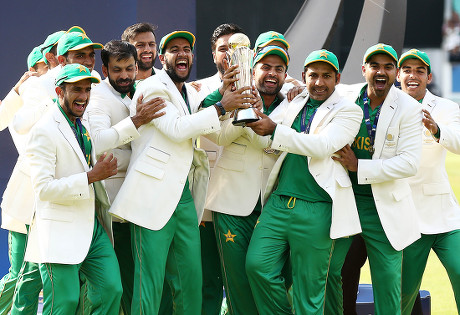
(221, 108)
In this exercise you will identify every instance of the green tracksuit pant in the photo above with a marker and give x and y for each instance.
(233, 234)
(299, 229)
(16, 250)
(172, 252)
(447, 248)
(61, 283)
(212, 275)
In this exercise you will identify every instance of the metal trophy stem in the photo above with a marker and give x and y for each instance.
(241, 55)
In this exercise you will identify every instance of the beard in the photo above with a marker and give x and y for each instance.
(268, 91)
(144, 66)
(68, 109)
(220, 68)
(170, 70)
(122, 89)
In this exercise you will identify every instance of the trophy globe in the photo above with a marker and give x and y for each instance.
(240, 54)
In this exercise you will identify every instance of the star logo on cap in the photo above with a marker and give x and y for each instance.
(274, 34)
(82, 68)
(413, 51)
(229, 237)
(380, 46)
(83, 36)
(323, 54)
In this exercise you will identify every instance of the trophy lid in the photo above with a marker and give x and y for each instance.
(238, 40)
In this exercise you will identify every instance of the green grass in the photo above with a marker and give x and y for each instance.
(435, 278)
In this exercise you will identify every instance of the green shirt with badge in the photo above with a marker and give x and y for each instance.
(81, 134)
(360, 146)
(295, 179)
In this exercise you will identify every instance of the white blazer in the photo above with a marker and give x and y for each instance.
(335, 125)
(434, 199)
(164, 156)
(65, 205)
(8, 108)
(17, 202)
(112, 129)
(241, 173)
(398, 148)
(213, 151)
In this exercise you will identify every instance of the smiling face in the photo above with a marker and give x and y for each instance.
(177, 59)
(84, 56)
(269, 75)
(414, 78)
(74, 98)
(121, 73)
(146, 48)
(220, 53)
(380, 73)
(320, 79)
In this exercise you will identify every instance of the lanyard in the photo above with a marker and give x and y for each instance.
(371, 129)
(184, 96)
(78, 131)
(303, 127)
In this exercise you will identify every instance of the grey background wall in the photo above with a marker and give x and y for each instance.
(25, 24)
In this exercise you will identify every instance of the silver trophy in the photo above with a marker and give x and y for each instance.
(240, 54)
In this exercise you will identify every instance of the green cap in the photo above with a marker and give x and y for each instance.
(415, 54)
(272, 50)
(35, 57)
(75, 41)
(322, 55)
(74, 72)
(76, 29)
(50, 41)
(183, 34)
(380, 49)
(267, 38)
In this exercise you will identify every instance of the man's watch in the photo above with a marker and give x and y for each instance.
(221, 108)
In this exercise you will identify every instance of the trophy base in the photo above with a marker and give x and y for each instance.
(244, 116)
(243, 122)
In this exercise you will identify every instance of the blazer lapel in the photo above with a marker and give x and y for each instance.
(178, 99)
(387, 112)
(68, 134)
(322, 114)
(294, 108)
(429, 102)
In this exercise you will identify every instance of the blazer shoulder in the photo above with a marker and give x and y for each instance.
(405, 100)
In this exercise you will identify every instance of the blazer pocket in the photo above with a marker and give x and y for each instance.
(343, 181)
(153, 162)
(149, 169)
(236, 148)
(57, 213)
(231, 164)
(402, 192)
(158, 154)
(436, 189)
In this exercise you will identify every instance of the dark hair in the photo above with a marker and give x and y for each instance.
(224, 29)
(131, 31)
(119, 49)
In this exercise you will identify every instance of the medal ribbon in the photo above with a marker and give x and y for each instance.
(303, 127)
(84, 140)
(81, 134)
(371, 129)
